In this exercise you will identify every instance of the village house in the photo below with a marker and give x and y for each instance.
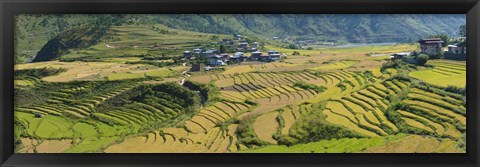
(273, 55)
(243, 46)
(197, 67)
(265, 58)
(255, 56)
(224, 56)
(218, 60)
(255, 44)
(215, 50)
(197, 51)
(457, 51)
(237, 37)
(399, 56)
(187, 54)
(237, 57)
(270, 52)
(208, 53)
(431, 46)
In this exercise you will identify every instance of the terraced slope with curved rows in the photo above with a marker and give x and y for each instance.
(444, 73)
(106, 117)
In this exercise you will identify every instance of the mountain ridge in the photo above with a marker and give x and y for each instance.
(350, 28)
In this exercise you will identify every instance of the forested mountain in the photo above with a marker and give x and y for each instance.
(34, 31)
(347, 27)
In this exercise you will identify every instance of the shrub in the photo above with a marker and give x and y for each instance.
(306, 86)
(396, 64)
(421, 59)
(246, 135)
(249, 102)
(455, 89)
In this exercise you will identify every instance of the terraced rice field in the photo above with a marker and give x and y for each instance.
(444, 73)
(117, 107)
(395, 143)
(337, 65)
(67, 117)
(199, 135)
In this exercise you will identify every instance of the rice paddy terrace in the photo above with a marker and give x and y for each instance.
(326, 100)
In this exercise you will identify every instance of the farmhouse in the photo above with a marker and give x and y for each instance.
(457, 51)
(431, 46)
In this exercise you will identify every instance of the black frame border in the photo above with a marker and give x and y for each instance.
(9, 8)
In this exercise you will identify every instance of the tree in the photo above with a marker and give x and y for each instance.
(421, 59)
(292, 46)
(463, 31)
(223, 49)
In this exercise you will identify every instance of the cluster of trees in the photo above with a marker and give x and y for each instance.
(313, 127)
(38, 73)
(395, 64)
(209, 92)
(246, 134)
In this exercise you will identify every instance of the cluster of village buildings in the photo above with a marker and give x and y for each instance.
(215, 58)
(433, 46)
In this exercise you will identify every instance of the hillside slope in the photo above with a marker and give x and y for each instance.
(348, 27)
(33, 31)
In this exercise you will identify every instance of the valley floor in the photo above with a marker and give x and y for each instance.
(336, 100)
